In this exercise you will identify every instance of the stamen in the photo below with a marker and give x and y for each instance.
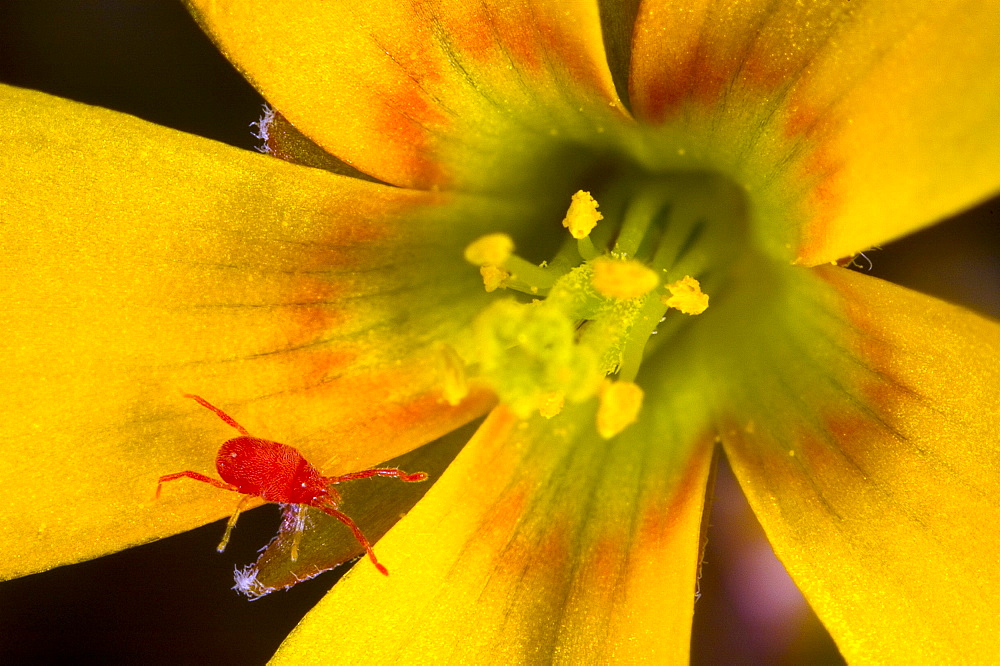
(582, 216)
(528, 277)
(600, 317)
(490, 250)
(639, 217)
(619, 407)
(622, 279)
(686, 296)
(500, 267)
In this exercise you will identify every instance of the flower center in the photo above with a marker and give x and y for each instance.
(580, 325)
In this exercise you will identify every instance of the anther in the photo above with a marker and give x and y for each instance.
(622, 279)
(490, 250)
(582, 216)
(493, 277)
(619, 407)
(686, 296)
(550, 404)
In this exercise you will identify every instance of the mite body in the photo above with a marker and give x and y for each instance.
(278, 473)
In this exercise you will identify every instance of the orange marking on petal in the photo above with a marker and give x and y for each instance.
(308, 313)
(363, 231)
(696, 79)
(327, 363)
(477, 32)
(717, 60)
(703, 74)
(887, 390)
(658, 516)
(402, 104)
(511, 24)
(431, 406)
(878, 392)
(606, 554)
(555, 33)
(819, 166)
(532, 38)
(409, 117)
(815, 452)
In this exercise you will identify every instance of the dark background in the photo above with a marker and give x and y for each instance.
(169, 602)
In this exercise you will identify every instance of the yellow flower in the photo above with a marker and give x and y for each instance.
(759, 142)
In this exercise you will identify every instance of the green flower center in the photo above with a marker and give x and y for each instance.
(630, 273)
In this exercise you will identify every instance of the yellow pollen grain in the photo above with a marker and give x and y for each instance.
(493, 277)
(622, 279)
(582, 216)
(686, 296)
(551, 404)
(490, 250)
(619, 407)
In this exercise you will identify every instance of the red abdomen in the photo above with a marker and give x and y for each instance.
(270, 470)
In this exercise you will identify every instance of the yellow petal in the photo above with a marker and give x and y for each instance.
(541, 541)
(869, 452)
(141, 264)
(423, 94)
(850, 124)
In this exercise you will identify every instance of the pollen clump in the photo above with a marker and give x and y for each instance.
(551, 404)
(582, 216)
(686, 296)
(493, 277)
(622, 279)
(490, 250)
(620, 403)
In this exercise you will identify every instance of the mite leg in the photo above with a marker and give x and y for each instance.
(380, 471)
(232, 522)
(197, 477)
(296, 540)
(357, 534)
(293, 518)
(221, 414)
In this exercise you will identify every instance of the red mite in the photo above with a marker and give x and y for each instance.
(278, 473)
